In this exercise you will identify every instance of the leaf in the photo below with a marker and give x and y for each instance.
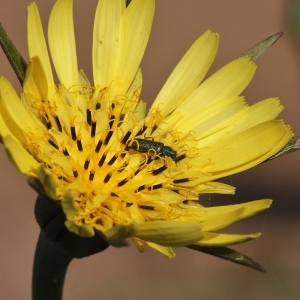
(230, 255)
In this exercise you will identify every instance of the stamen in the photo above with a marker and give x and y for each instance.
(126, 137)
(159, 170)
(123, 167)
(180, 157)
(93, 129)
(58, 123)
(75, 173)
(142, 130)
(122, 182)
(101, 162)
(65, 152)
(114, 195)
(53, 144)
(89, 116)
(98, 105)
(121, 119)
(128, 204)
(86, 164)
(140, 188)
(109, 135)
(154, 128)
(155, 187)
(111, 121)
(112, 160)
(182, 180)
(73, 132)
(91, 177)
(126, 149)
(98, 147)
(48, 123)
(146, 207)
(107, 178)
(79, 145)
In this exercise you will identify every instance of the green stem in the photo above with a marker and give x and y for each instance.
(13, 55)
(49, 270)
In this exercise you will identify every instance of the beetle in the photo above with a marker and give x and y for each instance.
(144, 145)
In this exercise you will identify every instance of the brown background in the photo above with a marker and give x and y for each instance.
(124, 273)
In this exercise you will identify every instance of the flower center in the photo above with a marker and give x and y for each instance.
(117, 164)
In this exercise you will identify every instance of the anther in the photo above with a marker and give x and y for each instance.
(65, 152)
(91, 177)
(112, 160)
(101, 162)
(155, 187)
(93, 129)
(182, 180)
(140, 188)
(98, 147)
(79, 145)
(180, 157)
(86, 164)
(73, 133)
(58, 123)
(109, 135)
(121, 119)
(142, 130)
(75, 173)
(126, 137)
(154, 128)
(89, 116)
(159, 170)
(111, 121)
(122, 182)
(53, 144)
(107, 178)
(146, 207)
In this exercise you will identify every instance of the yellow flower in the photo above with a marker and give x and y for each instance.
(116, 170)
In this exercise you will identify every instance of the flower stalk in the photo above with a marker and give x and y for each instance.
(13, 55)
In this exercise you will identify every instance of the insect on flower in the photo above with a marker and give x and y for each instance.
(144, 145)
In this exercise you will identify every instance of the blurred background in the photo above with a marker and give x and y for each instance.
(125, 273)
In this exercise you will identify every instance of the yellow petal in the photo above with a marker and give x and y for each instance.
(228, 82)
(108, 40)
(36, 41)
(19, 157)
(219, 239)
(138, 21)
(214, 117)
(188, 73)
(169, 233)
(13, 112)
(246, 149)
(62, 42)
(248, 209)
(221, 216)
(265, 110)
(35, 82)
